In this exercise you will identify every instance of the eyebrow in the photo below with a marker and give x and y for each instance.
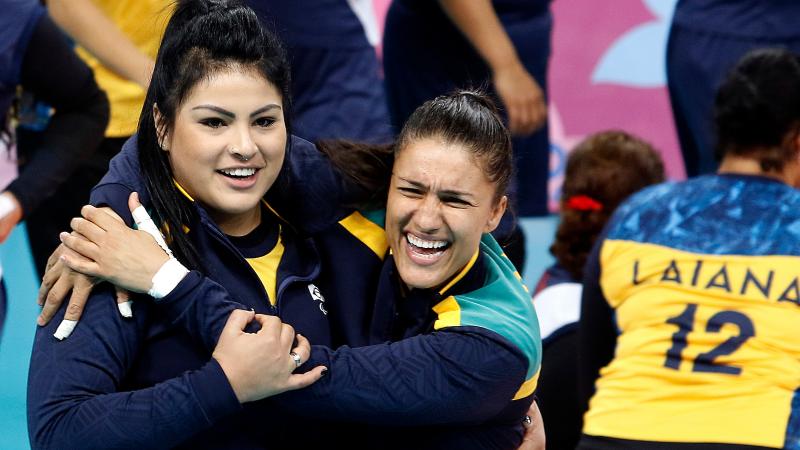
(231, 115)
(443, 193)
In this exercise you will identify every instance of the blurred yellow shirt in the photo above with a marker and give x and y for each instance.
(143, 22)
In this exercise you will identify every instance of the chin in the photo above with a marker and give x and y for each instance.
(420, 279)
(240, 205)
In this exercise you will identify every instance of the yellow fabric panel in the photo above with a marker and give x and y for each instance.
(689, 397)
(366, 231)
(461, 274)
(449, 313)
(143, 22)
(527, 387)
(266, 267)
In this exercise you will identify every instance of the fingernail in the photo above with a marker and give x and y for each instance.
(63, 235)
(65, 329)
(40, 321)
(125, 309)
(324, 373)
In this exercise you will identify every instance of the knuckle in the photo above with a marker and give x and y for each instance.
(52, 297)
(75, 307)
(271, 320)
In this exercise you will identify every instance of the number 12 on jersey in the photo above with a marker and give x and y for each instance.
(706, 362)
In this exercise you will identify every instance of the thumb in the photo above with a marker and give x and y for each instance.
(133, 201)
(237, 321)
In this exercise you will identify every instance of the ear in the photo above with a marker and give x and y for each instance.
(498, 210)
(161, 128)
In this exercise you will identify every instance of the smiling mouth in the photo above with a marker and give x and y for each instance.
(428, 250)
(239, 173)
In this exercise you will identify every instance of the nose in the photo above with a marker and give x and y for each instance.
(428, 216)
(246, 147)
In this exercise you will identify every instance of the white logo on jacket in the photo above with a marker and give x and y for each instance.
(317, 296)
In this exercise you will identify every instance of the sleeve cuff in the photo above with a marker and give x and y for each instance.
(172, 303)
(25, 202)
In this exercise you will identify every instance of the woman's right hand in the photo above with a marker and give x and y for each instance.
(259, 365)
(102, 247)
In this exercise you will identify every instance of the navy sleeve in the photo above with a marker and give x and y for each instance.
(200, 306)
(310, 193)
(464, 376)
(597, 333)
(55, 74)
(74, 394)
(122, 178)
(460, 376)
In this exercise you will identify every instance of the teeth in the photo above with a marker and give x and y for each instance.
(417, 242)
(239, 172)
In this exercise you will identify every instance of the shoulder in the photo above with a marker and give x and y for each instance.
(713, 214)
(101, 335)
(502, 305)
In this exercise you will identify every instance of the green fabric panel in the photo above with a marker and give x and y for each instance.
(377, 216)
(503, 305)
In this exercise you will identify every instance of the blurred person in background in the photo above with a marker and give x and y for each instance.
(433, 47)
(602, 171)
(337, 90)
(688, 335)
(706, 39)
(118, 40)
(35, 55)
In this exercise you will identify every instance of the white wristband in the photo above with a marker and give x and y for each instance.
(6, 205)
(167, 277)
(145, 223)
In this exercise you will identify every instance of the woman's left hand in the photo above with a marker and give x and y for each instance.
(102, 247)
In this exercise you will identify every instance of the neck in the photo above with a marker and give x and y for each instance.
(238, 224)
(741, 165)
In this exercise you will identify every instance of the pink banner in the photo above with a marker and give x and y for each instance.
(607, 71)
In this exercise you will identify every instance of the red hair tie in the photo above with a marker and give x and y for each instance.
(583, 203)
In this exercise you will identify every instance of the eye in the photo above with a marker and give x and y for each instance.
(213, 122)
(456, 202)
(264, 121)
(411, 192)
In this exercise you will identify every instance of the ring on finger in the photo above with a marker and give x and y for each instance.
(296, 358)
(527, 422)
